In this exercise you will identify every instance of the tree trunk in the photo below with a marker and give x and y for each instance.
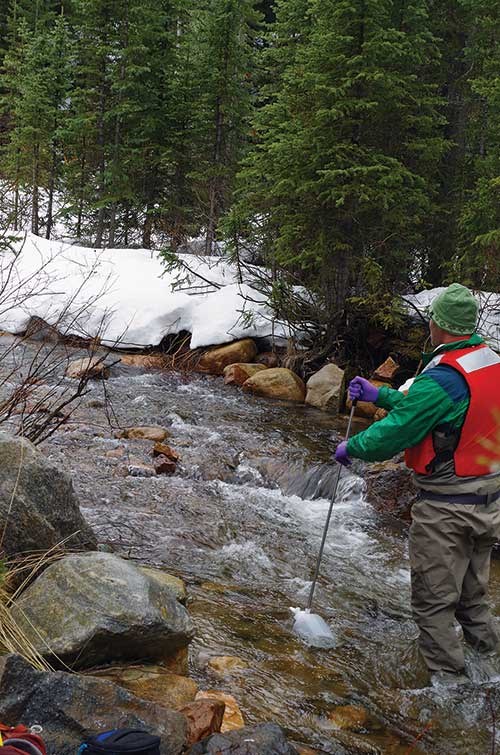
(102, 160)
(52, 181)
(35, 196)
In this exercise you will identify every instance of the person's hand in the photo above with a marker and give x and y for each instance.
(361, 389)
(341, 454)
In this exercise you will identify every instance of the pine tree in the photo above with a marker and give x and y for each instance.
(36, 81)
(344, 167)
(225, 30)
(479, 262)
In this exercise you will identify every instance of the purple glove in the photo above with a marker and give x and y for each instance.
(363, 390)
(341, 454)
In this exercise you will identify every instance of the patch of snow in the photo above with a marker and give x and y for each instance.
(126, 297)
(489, 311)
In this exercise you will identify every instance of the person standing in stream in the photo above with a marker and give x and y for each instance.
(444, 424)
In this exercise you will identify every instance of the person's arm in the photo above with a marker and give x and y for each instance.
(412, 417)
(388, 398)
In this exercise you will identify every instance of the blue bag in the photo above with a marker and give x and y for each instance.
(121, 742)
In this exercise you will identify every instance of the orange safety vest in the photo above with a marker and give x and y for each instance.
(480, 366)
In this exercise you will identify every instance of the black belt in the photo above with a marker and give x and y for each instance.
(461, 498)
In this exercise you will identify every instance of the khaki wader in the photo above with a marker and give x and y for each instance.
(450, 548)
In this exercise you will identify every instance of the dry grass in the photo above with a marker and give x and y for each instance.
(14, 577)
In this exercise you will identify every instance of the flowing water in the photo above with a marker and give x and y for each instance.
(241, 523)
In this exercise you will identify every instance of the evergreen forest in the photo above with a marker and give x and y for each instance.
(351, 146)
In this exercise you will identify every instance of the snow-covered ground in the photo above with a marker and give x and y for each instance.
(489, 311)
(126, 296)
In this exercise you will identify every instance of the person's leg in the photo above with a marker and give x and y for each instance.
(473, 611)
(440, 548)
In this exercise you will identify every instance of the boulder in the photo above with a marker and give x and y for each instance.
(152, 683)
(38, 506)
(266, 739)
(175, 584)
(233, 718)
(71, 708)
(214, 360)
(204, 717)
(325, 388)
(277, 382)
(237, 374)
(146, 432)
(102, 609)
(89, 367)
(389, 488)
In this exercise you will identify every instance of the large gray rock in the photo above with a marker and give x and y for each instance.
(70, 708)
(325, 387)
(95, 608)
(266, 739)
(38, 506)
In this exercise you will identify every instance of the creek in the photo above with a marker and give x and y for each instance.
(241, 523)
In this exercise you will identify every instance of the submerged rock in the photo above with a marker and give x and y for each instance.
(277, 382)
(266, 739)
(325, 387)
(349, 717)
(214, 360)
(227, 664)
(70, 708)
(38, 506)
(390, 488)
(102, 608)
(91, 367)
(153, 683)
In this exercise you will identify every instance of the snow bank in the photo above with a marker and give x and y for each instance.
(125, 296)
(489, 311)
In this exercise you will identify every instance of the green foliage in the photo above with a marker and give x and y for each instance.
(348, 137)
(479, 259)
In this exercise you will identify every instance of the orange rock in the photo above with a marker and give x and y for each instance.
(233, 718)
(204, 717)
(161, 449)
(214, 360)
(387, 371)
(237, 374)
(277, 382)
(147, 361)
